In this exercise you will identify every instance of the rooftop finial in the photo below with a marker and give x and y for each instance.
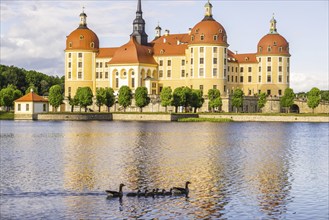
(273, 29)
(83, 18)
(208, 11)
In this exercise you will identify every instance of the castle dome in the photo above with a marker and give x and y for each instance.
(208, 31)
(82, 38)
(273, 43)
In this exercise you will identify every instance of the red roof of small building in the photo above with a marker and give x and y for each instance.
(171, 45)
(31, 97)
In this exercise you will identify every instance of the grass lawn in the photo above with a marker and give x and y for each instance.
(6, 115)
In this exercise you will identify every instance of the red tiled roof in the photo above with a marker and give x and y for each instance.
(31, 97)
(245, 58)
(133, 52)
(106, 52)
(170, 45)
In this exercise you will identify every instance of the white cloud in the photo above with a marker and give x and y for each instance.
(304, 82)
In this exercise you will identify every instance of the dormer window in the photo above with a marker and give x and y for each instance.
(224, 38)
(215, 37)
(269, 49)
(202, 37)
(220, 31)
(280, 49)
(260, 49)
(92, 44)
(274, 43)
(197, 31)
(81, 37)
(161, 51)
(192, 38)
(70, 45)
(246, 58)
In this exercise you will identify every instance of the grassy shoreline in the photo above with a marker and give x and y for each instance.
(6, 115)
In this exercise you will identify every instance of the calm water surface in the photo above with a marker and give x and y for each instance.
(59, 170)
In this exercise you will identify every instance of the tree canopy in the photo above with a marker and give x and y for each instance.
(141, 97)
(215, 100)
(287, 100)
(56, 96)
(313, 98)
(84, 97)
(166, 97)
(196, 99)
(8, 95)
(237, 99)
(262, 99)
(125, 97)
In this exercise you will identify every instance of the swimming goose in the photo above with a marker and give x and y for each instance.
(150, 193)
(115, 193)
(179, 190)
(133, 194)
(168, 193)
(143, 193)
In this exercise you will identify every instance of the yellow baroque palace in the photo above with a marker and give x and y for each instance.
(199, 59)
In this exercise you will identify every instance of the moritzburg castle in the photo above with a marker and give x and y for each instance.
(199, 59)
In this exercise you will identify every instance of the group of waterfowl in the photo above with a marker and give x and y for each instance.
(147, 193)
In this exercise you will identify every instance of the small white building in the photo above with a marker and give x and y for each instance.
(30, 105)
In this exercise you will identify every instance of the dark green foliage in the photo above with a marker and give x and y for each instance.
(84, 97)
(141, 98)
(262, 99)
(125, 97)
(196, 99)
(166, 97)
(287, 100)
(237, 99)
(313, 98)
(215, 100)
(325, 95)
(109, 98)
(100, 98)
(187, 97)
(22, 79)
(56, 96)
(73, 102)
(178, 98)
(32, 88)
(8, 96)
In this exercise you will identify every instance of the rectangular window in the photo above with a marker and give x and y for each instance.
(169, 62)
(260, 69)
(249, 92)
(280, 68)
(224, 61)
(79, 75)
(214, 49)
(101, 75)
(70, 55)
(19, 107)
(249, 79)
(268, 92)
(80, 64)
(44, 107)
(106, 75)
(69, 91)
(269, 59)
(287, 79)
(236, 79)
(183, 73)
(80, 55)
(160, 73)
(97, 75)
(224, 72)
(201, 49)
(183, 62)
(133, 82)
(280, 92)
(27, 107)
(249, 69)
(201, 87)
(259, 59)
(161, 62)
(69, 64)
(215, 37)
(97, 64)
(241, 79)
(191, 61)
(225, 50)
(101, 65)
(280, 59)
(214, 61)
(236, 69)
(202, 60)
(280, 78)
(232, 78)
(269, 78)
(241, 69)
(116, 82)
(269, 69)
(191, 49)
(69, 75)
(259, 78)
(214, 71)
(224, 88)
(191, 72)
(168, 73)
(201, 72)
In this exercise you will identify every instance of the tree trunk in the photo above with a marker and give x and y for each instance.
(108, 109)
(166, 109)
(99, 108)
(124, 109)
(176, 109)
(72, 107)
(195, 110)
(86, 109)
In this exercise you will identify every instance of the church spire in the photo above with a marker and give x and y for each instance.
(139, 26)
(273, 29)
(83, 19)
(208, 11)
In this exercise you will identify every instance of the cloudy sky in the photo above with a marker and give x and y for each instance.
(33, 33)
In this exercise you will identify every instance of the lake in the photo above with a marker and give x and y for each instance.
(60, 170)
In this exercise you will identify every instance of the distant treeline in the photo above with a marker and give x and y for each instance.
(23, 80)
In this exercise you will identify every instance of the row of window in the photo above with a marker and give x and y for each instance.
(269, 48)
(27, 107)
(214, 50)
(268, 79)
(99, 75)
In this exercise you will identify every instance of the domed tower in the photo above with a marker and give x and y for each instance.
(273, 62)
(82, 45)
(208, 53)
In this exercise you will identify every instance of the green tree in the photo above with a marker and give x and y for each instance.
(287, 100)
(125, 97)
(215, 100)
(84, 97)
(109, 98)
(313, 98)
(262, 99)
(8, 96)
(187, 97)
(141, 98)
(325, 95)
(100, 98)
(237, 99)
(56, 96)
(196, 99)
(73, 102)
(166, 97)
(178, 98)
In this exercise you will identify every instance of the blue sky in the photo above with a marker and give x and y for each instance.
(33, 33)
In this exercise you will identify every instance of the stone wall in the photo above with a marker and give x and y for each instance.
(74, 117)
(25, 116)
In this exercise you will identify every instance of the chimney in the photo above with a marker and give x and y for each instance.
(166, 32)
(189, 31)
